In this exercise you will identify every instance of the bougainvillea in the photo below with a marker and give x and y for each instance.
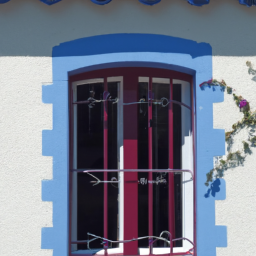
(249, 119)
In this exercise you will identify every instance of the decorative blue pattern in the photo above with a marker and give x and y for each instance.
(248, 3)
(50, 2)
(189, 57)
(150, 2)
(101, 2)
(198, 2)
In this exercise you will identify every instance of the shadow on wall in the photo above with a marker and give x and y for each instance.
(33, 28)
(214, 188)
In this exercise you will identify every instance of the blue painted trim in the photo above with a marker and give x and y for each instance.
(137, 43)
(101, 2)
(150, 2)
(82, 55)
(50, 2)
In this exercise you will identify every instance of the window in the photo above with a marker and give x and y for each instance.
(131, 162)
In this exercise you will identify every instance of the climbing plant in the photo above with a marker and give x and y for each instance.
(249, 119)
(251, 71)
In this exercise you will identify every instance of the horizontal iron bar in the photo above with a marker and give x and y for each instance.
(93, 101)
(128, 241)
(135, 170)
(131, 103)
(160, 102)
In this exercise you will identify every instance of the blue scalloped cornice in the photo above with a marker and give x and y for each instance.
(248, 3)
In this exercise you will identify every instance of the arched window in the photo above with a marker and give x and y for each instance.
(131, 162)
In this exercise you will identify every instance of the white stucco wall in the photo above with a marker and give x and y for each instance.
(238, 210)
(30, 29)
(22, 118)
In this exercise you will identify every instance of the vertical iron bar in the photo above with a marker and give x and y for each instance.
(150, 166)
(105, 138)
(171, 175)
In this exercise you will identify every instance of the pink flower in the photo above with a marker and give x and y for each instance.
(208, 82)
(242, 103)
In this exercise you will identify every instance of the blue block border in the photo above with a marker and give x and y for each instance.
(132, 50)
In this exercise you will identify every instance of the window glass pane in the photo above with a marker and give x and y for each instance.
(113, 220)
(90, 137)
(89, 209)
(177, 152)
(143, 164)
(89, 156)
(160, 160)
(112, 127)
(90, 128)
(113, 188)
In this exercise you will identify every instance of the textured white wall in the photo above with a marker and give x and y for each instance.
(237, 212)
(22, 118)
(32, 28)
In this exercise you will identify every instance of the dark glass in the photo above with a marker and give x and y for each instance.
(177, 162)
(113, 189)
(90, 139)
(89, 156)
(89, 209)
(89, 128)
(112, 127)
(160, 127)
(113, 224)
(160, 133)
(143, 164)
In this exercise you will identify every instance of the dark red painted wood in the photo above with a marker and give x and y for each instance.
(130, 162)
(171, 175)
(150, 161)
(143, 72)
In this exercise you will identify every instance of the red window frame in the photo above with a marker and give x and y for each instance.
(130, 148)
